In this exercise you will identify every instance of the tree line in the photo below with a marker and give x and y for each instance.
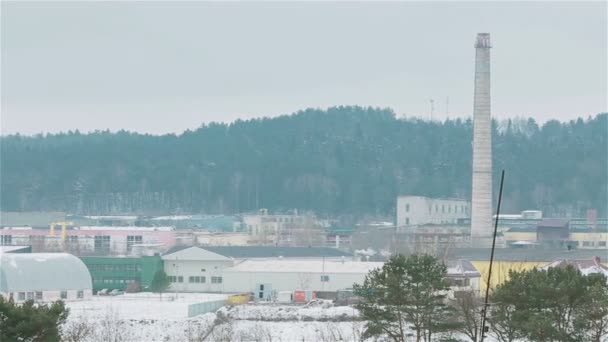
(339, 161)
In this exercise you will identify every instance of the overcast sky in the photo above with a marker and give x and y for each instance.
(165, 67)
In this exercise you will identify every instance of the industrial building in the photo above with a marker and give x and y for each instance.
(419, 210)
(556, 233)
(283, 229)
(44, 277)
(200, 268)
(507, 259)
(266, 277)
(120, 272)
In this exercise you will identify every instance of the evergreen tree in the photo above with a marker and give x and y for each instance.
(30, 321)
(406, 293)
(160, 282)
(559, 304)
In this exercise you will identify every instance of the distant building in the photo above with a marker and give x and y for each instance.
(88, 240)
(507, 259)
(418, 210)
(557, 233)
(44, 277)
(585, 266)
(283, 229)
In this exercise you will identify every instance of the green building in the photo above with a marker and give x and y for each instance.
(118, 272)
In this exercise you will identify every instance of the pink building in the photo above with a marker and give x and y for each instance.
(90, 240)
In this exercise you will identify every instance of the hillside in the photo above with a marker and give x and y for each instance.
(346, 160)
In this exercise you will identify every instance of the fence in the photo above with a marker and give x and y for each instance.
(201, 308)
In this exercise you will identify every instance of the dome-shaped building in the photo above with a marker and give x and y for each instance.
(44, 277)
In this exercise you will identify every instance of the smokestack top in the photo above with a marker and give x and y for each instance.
(483, 41)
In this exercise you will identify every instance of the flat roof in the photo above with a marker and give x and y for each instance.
(524, 254)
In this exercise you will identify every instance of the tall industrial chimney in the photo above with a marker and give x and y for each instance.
(481, 202)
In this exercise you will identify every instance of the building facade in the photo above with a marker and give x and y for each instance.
(120, 272)
(283, 229)
(418, 210)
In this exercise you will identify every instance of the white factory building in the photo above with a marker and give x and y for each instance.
(203, 268)
(419, 210)
(263, 277)
(44, 277)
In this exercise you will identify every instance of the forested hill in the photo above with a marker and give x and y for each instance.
(346, 160)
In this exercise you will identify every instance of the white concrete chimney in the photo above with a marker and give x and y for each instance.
(481, 201)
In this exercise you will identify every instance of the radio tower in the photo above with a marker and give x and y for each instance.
(481, 201)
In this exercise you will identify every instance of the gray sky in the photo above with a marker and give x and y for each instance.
(164, 67)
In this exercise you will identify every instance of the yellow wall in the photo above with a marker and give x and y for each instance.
(500, 270)
(520, 236)
(594, 237)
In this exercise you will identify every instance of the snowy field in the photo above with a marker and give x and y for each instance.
(145, 317)
(138, 306)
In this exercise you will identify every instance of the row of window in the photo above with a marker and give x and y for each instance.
(195, 279)
(38, 295)
(114, 280)
(114, 267)
(591, 243)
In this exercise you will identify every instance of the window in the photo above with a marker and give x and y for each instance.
(196, 279)
(80, 294)
(430, 209)
(102, 243)
(324, 278)
(602, 244)
(407, 207)
(39, 295)
(587, 243)
(443, 208)
(407, 220)
(216, 280)
(449, 208)
(180, 279)
(172, 279)
(203, 270)
(133, 240)
(6, 239)
(64, 294)
(21, 296)
(436, 208)
(30, 296)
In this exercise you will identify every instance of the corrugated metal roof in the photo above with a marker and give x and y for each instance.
(42, 272)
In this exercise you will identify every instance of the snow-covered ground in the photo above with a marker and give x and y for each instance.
(140, 306)
(145, 317)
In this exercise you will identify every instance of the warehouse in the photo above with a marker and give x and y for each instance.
(44, 277)
(263, 277)
(200, 268)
